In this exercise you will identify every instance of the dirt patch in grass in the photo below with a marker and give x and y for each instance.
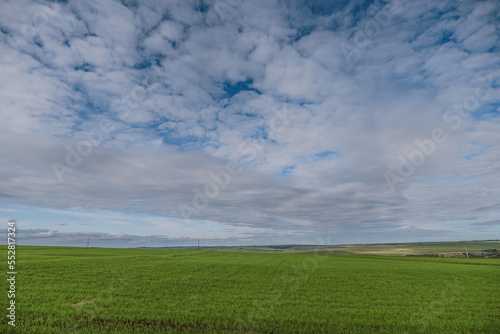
(81, 302)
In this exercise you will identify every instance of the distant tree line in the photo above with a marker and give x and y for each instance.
(426, 255)
(490, 252)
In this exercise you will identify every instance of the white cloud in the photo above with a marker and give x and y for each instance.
(173, 91)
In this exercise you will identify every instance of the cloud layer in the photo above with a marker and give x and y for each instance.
(267, 120)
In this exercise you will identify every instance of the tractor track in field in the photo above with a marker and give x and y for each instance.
(193, 254)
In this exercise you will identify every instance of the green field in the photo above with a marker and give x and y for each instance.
(95, 290)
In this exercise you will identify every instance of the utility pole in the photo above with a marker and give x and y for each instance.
(88, 241)
(466, 252)
(198, 244)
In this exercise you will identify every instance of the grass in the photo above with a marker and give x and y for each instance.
(92, 290)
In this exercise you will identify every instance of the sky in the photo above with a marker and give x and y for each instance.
(161, 123)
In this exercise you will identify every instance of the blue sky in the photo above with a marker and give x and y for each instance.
(158, 123)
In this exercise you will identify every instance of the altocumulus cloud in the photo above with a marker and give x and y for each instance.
(246, 122)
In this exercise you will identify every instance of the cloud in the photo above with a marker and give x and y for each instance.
(8, 210)
(488, 223)
(134, 107)
(52, 237)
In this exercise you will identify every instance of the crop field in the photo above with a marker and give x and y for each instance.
(94, 290)
(446, 249)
